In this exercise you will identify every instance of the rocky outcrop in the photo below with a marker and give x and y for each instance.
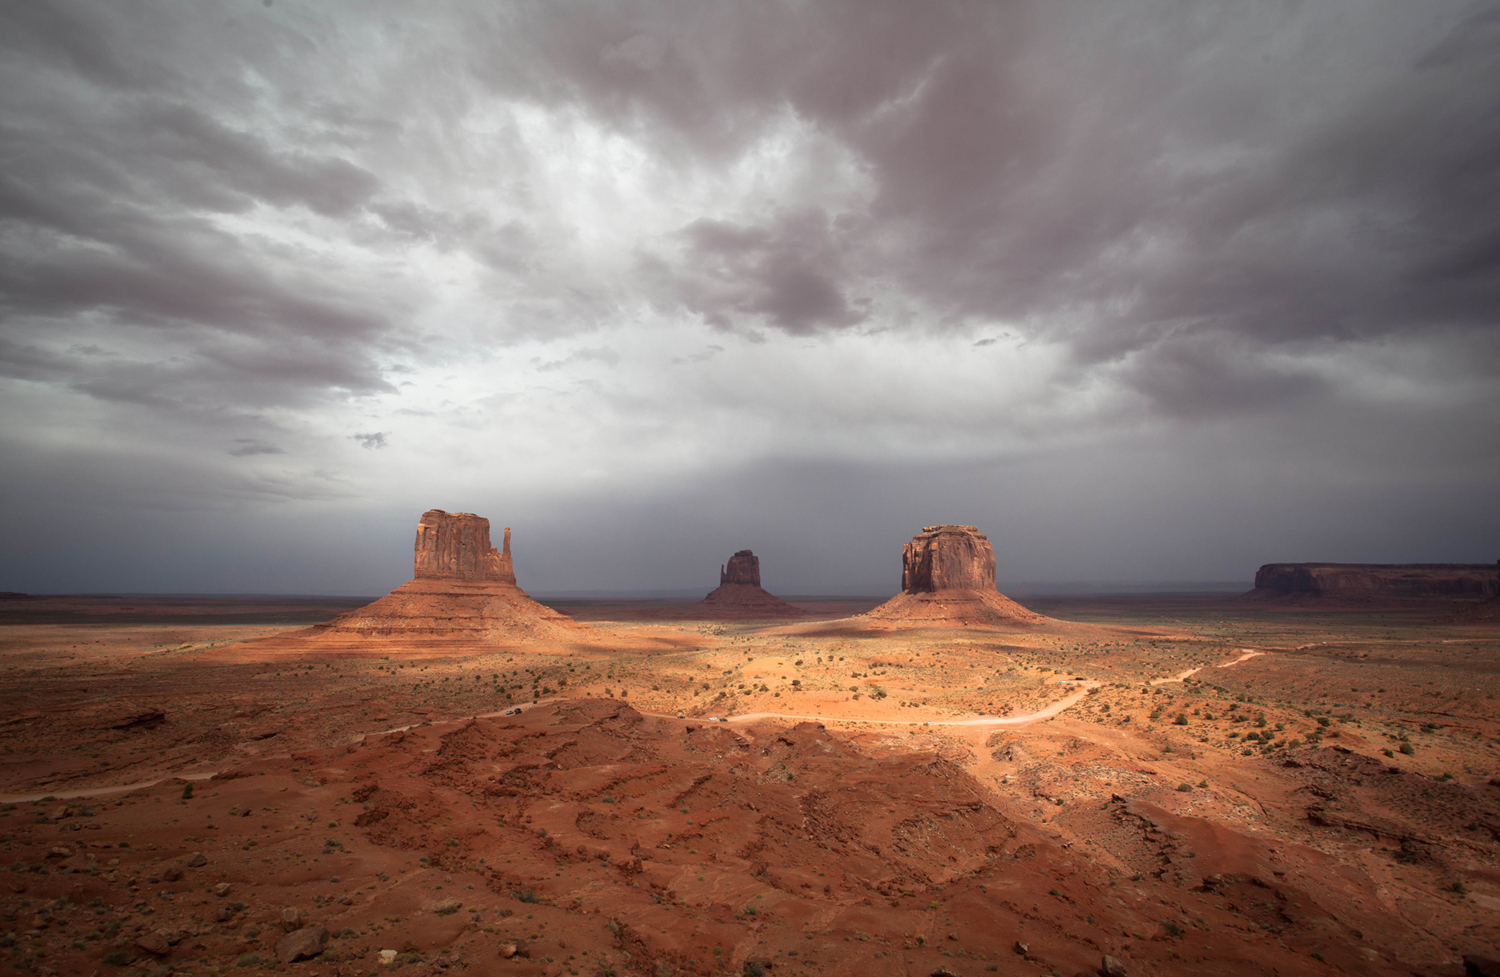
(739, 594)
(456, 546)
(743, 567)
(462, 589)
(948, 580)
(1375, 581)
(947, 558)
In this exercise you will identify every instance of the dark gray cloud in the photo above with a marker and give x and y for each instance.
(542, 251)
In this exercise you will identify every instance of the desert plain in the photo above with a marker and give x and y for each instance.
(1168, 784)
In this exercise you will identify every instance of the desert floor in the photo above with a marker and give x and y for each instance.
(1187, 785)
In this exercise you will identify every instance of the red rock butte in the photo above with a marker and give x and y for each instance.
(739, 593)
(462, 589)
(948, 579)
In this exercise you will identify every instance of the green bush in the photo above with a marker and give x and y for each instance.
(1407, 749)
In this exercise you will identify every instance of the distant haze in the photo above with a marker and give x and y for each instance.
(1148, 291)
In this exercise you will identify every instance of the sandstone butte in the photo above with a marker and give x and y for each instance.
(948, 579)
(1365, 582)
(739, 593)
(462, 588)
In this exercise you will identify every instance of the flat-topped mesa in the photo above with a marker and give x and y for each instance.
(739, 594)
(947, 557)
(948, 580)
(456, 546)
(1373, 581)
(743, 567)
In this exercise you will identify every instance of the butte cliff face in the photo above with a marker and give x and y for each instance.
(462, 589)
(1365, 582)
(743, 567)
(456, 546)
(947, 558)
(948, 580)
(740, 595)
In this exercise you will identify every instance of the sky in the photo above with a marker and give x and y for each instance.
(1147, 291)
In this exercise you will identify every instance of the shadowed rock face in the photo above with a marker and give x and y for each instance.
(740, 594)
(1367, 580)
(947, 558)
(743, 567)
(456, 546)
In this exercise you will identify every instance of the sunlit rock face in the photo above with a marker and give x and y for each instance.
(462, 589)
(948, 580)
(456, 546)
(947, 558)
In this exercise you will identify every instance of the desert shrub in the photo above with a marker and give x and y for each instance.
(526, 895)
(1181, 719)
(117, 958)
(1407, 749)
(187, 792)
(1185, 788)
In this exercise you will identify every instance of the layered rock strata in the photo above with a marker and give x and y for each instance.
(456, 546)
(739, 593)
(1375, 581)
(463, 588)
(948, 580)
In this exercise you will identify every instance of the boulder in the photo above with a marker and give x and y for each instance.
(301, 944)
(291, 919)
(154, 943)
(196, 860)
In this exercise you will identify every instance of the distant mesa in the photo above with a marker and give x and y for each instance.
(463, 588)
(948, 579)
(739, 593)
(1365, 582)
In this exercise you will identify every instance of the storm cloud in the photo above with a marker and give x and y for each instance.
(1147, 290)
